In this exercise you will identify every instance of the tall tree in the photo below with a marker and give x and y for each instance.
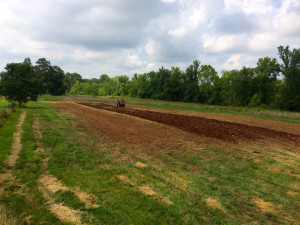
(191, 82)
(290, 68)
(19, 82)
(51, 78)
(266, 73)
(174, 86)
(208, 78)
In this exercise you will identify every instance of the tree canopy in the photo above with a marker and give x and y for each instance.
(19, 82)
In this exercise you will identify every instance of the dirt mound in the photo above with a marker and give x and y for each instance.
(225, 131)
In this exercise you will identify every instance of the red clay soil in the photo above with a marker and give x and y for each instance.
(211, 128)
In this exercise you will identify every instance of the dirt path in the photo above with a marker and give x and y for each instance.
(7, 177)
(17, 145)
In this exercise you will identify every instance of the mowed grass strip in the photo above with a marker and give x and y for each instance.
(6, 134)
(208, 186)
(21, 196)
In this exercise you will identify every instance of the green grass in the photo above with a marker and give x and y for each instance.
(233, 177)
(6, 133)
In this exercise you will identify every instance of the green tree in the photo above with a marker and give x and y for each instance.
(266, 71)
(174, 86)
(243, 87)
(228, 82)
(290, 68)
(51, 78)
(19, 82)
(208, 78)
(70, 79)
(191, 82)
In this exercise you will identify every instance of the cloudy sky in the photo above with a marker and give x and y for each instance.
(118, 37)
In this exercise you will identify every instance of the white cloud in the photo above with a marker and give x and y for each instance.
(249, 6)
(263, 42)
(150, 47)
(123, 37)
(134, 61)
(233, 62)
(224, 43)
(179, 32)
(287, 21)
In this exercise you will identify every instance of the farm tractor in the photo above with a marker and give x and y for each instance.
(120, 103)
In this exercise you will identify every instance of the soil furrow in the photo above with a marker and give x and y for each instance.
(225, 131)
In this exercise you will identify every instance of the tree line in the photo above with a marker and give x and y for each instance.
(255, 87)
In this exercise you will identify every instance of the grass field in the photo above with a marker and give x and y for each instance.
(222, 185)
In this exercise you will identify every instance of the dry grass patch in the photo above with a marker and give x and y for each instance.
(296, 186)
(265, 206)
(88, 199)
(66, 214)
(140, 165)
(214, 203)
(125, 179)
(51, 183)
(6, 217)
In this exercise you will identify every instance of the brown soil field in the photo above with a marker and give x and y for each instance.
(153, 130)
(293, 128)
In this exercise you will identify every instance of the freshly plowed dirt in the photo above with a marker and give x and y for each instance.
(226, 131)
(293, 128)
(152, 130)
(140, 134)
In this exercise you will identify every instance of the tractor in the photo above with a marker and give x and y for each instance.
(120, 103)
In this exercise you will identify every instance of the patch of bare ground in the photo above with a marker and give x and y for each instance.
(265, 206)
(224, 131)
(293, 128)
(214, 203)
(136, 134)
(17, 145)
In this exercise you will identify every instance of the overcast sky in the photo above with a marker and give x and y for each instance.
(116, 37)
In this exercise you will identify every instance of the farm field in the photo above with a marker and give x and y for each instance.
(91, 163)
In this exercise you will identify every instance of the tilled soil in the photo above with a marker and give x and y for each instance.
(288, 127)
(150, 131)
(223, 130)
